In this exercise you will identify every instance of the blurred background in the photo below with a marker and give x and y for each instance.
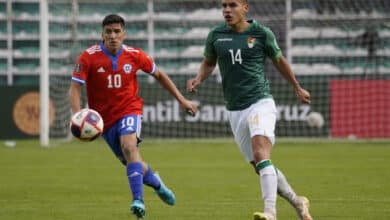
(339, 51)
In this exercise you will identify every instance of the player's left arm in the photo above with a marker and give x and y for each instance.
(167, 83)
(284, 68)
(148, 66)
(275, 53)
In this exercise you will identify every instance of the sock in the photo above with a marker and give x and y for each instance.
(134, 175)
(284, 188)
(150, 179)
(269, 184)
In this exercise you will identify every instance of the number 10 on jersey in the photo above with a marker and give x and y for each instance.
(114, 81)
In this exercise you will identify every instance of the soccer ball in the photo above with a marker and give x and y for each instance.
(86, 124)
(315, 119)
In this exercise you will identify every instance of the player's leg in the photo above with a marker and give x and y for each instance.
(123, 141)
(149, 177)
(300, 203)
(242, 135)
(165, 194)
(261, 121)
(268, 180)
(154, 180)
(135, 171)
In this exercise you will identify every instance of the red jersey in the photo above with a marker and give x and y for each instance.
(112, 86)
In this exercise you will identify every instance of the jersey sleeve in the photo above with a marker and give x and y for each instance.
(209, 51)
(272, 48)
(80, 71)
(146, 63)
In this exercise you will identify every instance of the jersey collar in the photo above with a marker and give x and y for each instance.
(113, 58)
(251, 24)
(108, 53)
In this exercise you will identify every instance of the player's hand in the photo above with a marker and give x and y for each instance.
(192, 85)
(303, 95)
(190, 107)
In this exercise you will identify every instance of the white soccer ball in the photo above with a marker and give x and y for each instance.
(315, 119)
(86, 124)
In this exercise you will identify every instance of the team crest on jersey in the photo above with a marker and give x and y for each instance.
(127, 68)
(251, 42)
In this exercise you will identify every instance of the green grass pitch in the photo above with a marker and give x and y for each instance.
(84, 181)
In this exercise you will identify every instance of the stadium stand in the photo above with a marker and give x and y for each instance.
(341, 34)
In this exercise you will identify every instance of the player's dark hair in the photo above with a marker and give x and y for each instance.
(113, 19)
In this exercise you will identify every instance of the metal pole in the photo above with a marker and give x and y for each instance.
(288, 29)
(44, 73)
(151, 33)
(9, 44)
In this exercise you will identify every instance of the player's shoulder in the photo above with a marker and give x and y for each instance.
(218, 31)
(94, 49)
(130, 49)
(219, 28)
(256, 26)
(129, 52)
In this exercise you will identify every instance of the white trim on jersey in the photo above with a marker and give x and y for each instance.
(81, 81)
(129, 49)
(93, 49)
(139, 126)
(153, 69)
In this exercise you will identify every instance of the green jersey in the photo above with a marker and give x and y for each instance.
(241, 59)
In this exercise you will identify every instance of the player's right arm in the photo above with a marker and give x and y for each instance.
(206, 68)
(79, 76)
(75, 96)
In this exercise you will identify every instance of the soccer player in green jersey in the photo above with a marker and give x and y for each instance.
(240, 48)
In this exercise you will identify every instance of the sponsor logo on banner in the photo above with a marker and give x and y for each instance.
(169, 111)
(26, 113)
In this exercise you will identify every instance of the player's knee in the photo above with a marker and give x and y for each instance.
(261, 147)
(129, 149)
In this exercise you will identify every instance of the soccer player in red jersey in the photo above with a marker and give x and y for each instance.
(109, 71)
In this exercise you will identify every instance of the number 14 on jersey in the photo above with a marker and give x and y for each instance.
(236, 57)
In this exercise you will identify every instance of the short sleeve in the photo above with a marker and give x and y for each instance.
(272, 48)
(81, 69)
(146, 63)
(209, 51)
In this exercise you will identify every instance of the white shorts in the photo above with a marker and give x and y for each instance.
(257, 119)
